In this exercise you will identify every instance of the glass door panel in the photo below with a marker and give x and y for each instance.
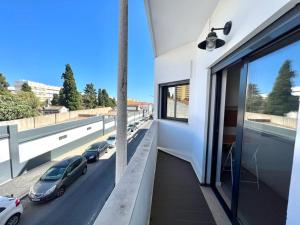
(270, 118)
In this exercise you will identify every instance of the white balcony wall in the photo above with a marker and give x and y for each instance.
(188, 140)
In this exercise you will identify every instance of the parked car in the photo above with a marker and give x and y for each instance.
(11, 210)
(132, 127)
(137, 124)
(111, 141)
(56, 179)
(94, 152)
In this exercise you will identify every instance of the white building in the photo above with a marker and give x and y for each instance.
(248, 169)
(42, 91)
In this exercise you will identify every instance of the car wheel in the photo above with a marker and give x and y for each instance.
(13, 220)
(60, 192)
(84, 170)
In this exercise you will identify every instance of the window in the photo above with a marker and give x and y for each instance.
(175, 100)
(62, 137)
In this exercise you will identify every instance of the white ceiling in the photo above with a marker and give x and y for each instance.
(174, 23)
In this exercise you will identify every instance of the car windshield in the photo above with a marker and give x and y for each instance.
(111, 138)
(94, 146)
(92, 150)
(54, 173)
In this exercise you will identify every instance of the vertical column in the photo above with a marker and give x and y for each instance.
(14, 150)
(121, 144)
(103, 121)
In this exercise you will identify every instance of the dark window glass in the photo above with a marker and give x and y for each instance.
(175, 101)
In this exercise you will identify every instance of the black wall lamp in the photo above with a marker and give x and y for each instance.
(212, 41)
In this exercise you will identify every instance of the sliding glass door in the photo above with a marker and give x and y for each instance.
(255, 130)
(269, 132)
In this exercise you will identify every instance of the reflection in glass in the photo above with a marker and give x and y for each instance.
(178, 101)
(182, 101)
(171, 102)
(227, 146)
(269, 136)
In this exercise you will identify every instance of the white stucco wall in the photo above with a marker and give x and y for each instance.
(31, 149)
(188, 140)
(4, 150)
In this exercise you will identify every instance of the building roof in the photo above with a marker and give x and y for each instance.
(137, 103)
(52, 107)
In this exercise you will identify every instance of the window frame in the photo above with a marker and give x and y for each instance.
(162, 104)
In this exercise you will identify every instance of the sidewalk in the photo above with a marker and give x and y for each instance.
(20, 186)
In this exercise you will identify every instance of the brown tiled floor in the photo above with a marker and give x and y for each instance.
(177, 197)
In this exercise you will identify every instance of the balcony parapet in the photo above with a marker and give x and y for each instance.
(130, 201)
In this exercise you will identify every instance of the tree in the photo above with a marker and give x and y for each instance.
(105, 98)
(61, 97)
(255, 102)
(3, 83)
(90, 96)
(69, 94)
(100, 98)
(30, 99)
(55, 100)
(25, 87)
(281, 100)
(113, 102)
(18, 106)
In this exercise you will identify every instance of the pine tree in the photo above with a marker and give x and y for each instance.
(3, 83)
(90, 97)
(61, 97)
(55, 100)
(70, 95)
(100, 98)
(25, 87)
(255, 102)
(105, 98)
(281, 100)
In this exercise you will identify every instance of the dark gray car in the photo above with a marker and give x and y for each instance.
(93, 153)
(57, 178)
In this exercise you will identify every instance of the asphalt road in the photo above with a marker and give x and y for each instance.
(84, 199)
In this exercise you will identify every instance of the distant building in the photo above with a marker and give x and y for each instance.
(296, 91)
(54, 109)
(43, 91)
(134, 105)
(12, 89)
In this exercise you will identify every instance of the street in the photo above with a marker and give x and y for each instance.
(84, 199)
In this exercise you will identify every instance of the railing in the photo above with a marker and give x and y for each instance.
(130, 201)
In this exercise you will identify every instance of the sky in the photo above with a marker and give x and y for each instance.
(38, 38)
(264, 70)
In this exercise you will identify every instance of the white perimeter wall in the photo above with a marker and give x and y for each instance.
(4, 150)
(188, 140)
(31, 149)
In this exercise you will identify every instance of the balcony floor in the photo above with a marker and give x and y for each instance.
(177, 196)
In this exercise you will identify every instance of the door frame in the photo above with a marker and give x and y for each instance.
(275, 36)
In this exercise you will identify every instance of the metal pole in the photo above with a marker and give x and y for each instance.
(121, 142)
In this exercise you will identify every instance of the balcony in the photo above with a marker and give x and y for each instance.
(158, 188)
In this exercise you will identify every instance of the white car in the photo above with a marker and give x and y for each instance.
(11, 210)
(111, 141)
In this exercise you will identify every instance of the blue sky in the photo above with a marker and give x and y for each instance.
(39, 37)
(264, 71)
